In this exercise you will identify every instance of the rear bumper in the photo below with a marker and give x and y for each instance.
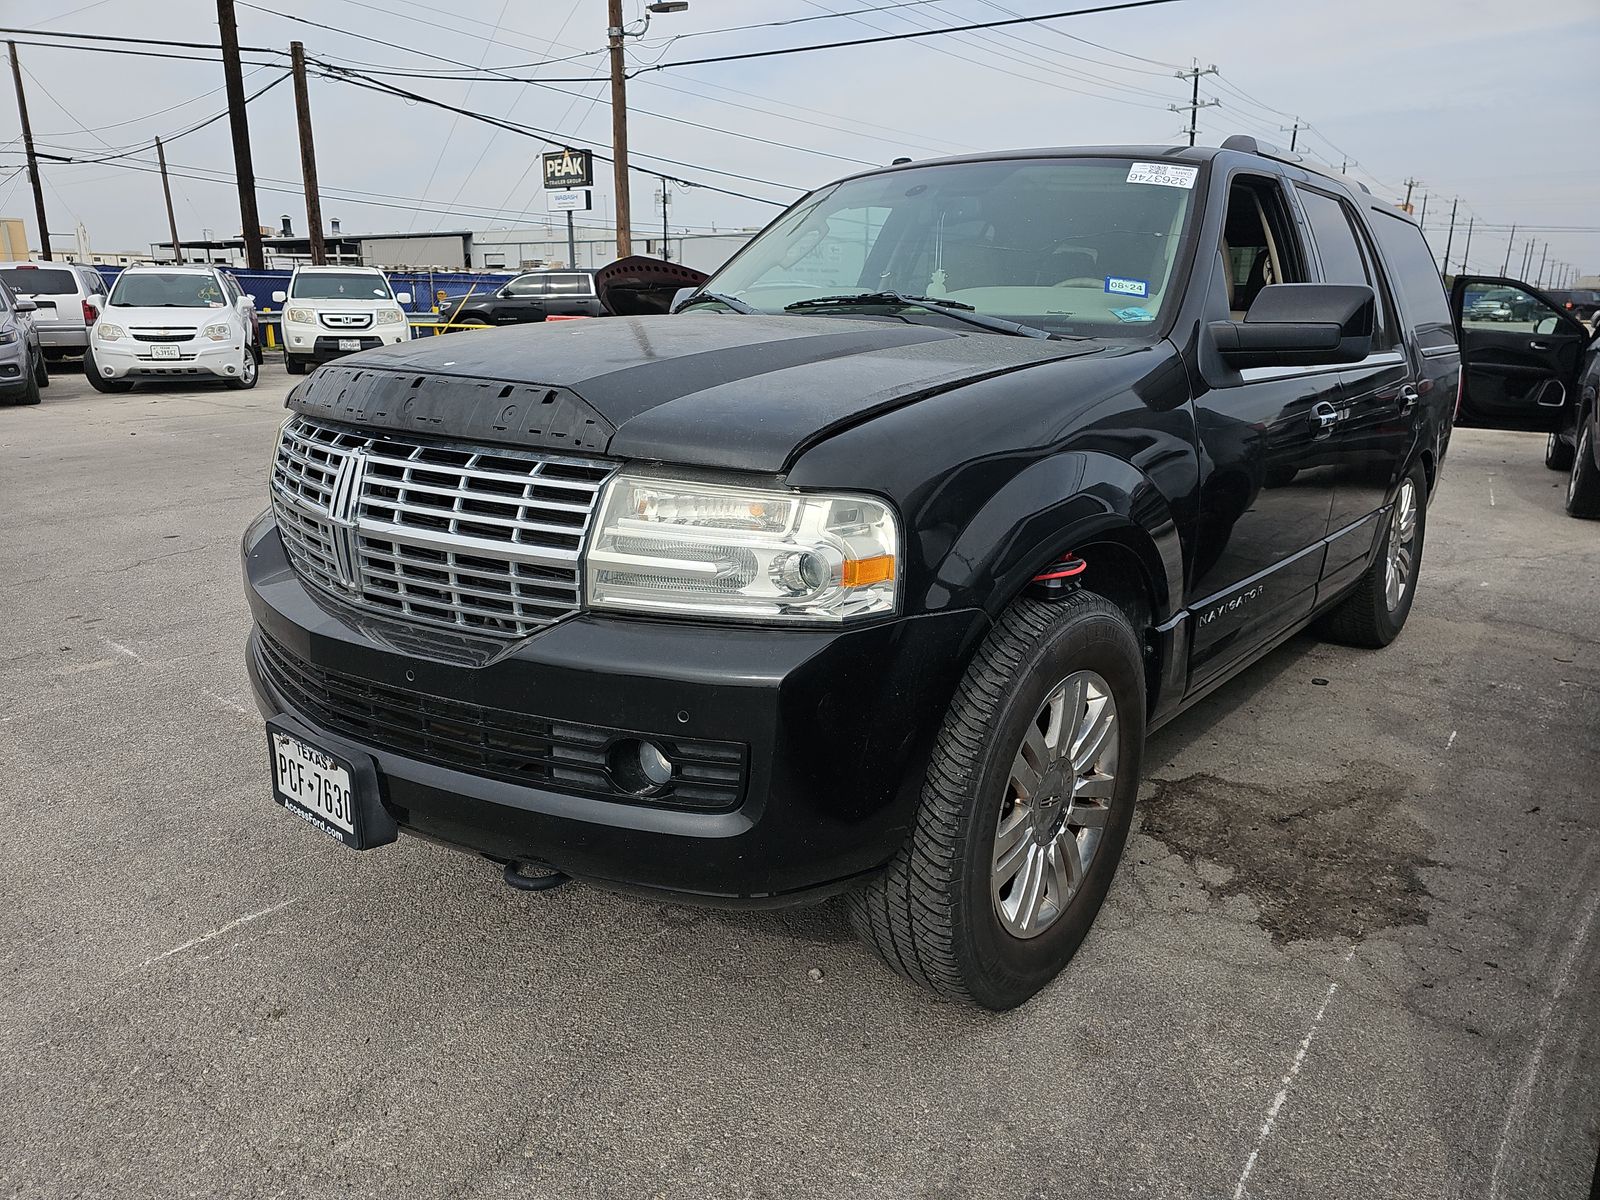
(834, 727)
(69, 338)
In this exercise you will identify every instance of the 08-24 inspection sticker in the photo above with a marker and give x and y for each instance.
(1163, 174)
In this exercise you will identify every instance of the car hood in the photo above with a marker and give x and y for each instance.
(165, 318)
(745, 392)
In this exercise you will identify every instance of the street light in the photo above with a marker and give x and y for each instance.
(615, 33)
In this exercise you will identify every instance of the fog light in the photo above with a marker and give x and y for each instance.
(106, 371)
(639, 767)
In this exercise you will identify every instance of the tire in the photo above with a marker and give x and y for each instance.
(293, 365)
(30, 389)
(1371, 616)
(41, 371)
(54, 353)
(942, 914)
(248, 373)
(1583, 489)
(1557, 454)
(98, 382)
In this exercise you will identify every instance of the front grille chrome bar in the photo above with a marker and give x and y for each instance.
(472, 538)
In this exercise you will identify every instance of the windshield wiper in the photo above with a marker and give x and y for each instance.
(953, 309)
(738, 306)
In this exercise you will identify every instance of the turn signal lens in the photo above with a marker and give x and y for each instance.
(863, 572)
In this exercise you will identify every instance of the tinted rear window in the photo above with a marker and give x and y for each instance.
(570, 285)
(40, 281)
(1416, 277)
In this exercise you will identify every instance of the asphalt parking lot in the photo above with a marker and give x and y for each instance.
(1352, 952)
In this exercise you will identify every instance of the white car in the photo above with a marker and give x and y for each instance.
(173, 323)
(329, 311)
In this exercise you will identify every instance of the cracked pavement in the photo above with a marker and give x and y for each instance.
(201, 996)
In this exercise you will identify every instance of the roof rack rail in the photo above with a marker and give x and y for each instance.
(1246, 144)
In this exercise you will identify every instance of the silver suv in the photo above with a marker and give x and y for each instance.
(66, 296)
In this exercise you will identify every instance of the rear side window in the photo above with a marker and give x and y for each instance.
(1336, 241)
(40, 281)
(1412, 267)
(570, 285)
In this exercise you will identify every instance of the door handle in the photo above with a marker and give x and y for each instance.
(1538, 345)
(1324, 416)
(1409, 396)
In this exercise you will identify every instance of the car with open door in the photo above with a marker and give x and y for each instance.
(1537, 374)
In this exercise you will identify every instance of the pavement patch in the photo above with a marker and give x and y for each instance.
(1336, 859)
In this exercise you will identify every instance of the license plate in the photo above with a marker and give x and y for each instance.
(349, 343)
(314, 785)
(164, 352)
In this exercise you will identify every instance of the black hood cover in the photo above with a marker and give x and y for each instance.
(709, 389)
(639, 286)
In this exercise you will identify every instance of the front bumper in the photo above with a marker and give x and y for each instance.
(315, 345)
(135, 360)
(835, 728)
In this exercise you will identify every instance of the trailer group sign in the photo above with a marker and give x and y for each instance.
(565, 169)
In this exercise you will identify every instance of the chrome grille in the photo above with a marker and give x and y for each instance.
(465, 537)
(347, 320)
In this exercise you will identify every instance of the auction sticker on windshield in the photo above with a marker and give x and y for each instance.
(314, 785)
(1164, 174)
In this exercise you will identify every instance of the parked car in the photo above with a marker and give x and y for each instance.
(332, 311)
(1544, 379)
(66, 296)
(172, 323)
(1498, 304)
(530, 297)
(1579, 302)
(869, 569)
(22, 366)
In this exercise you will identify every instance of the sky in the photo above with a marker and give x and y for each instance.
(1489, 104)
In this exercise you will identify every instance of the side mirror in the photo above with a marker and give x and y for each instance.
(279, 297)
(679, 296)
(402, 297)
(1548, 325)
(26, 306)
(1300, 325)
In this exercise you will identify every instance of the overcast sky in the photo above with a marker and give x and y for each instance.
(1494, 102)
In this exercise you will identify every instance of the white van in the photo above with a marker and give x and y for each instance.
(330, 311)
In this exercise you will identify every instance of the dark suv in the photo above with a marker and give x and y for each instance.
(536, 296)
(869, 570)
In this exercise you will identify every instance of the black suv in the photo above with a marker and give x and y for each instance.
(869, 570)
(535, 296)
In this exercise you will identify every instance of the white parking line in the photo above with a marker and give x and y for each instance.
(1530, 1073)
(1282, 1097)
(231, 705)
(121, 649)
(220, 930)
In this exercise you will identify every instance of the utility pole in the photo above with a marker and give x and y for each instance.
(666, 199)
(1294, 134)
(619, 128)
(1410, 183)
(1539, 282)
(166, 190)
(1444, 267)
(33, 160)
(233, 76)
(1422, 219)
(1506, 267)
(308, 153)
(1467, 253)
(1194, 106)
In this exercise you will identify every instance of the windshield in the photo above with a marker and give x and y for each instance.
(167, 289)
(327, 285)
(39, 281)
(1072, 246)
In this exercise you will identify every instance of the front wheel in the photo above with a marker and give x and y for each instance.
(248, 372)
(1375, 612)
(98, 381)
(1025, 808)
(1583, 489)
(41, 371)
(295, 366)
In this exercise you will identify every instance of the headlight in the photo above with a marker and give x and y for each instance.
(390, 316)
(109, 333)
(299, 316)
(7, 336)
(700, 549)
(217, 333)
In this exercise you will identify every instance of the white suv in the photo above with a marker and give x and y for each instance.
(173, 323)
(329, 311)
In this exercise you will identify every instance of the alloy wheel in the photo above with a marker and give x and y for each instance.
(1402, 550)
(1057, 804)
